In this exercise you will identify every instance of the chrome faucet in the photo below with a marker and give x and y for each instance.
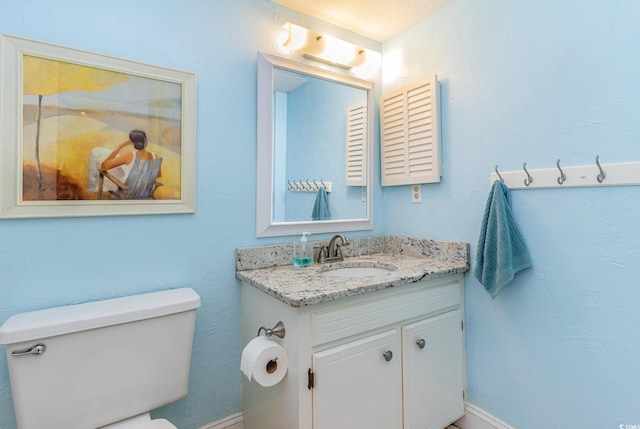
(333, 251)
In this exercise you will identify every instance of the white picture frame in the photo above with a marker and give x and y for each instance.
(59, 103)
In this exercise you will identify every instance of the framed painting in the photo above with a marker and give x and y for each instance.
(85, 134)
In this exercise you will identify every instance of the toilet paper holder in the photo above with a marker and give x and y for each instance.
(277, 330)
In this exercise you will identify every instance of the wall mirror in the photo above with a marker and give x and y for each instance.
(315, 129)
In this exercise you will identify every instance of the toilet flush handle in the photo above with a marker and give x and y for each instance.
(38, 349)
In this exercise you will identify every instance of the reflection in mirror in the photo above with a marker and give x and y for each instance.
(310, 134)
(314, 131)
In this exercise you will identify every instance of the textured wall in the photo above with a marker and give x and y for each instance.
(51, 262)
(521, 81)
(535, 81)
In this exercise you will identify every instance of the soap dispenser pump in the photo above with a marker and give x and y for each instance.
(302, 252)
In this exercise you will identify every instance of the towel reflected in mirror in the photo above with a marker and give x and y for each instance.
(321, 206)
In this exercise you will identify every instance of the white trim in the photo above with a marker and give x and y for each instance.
(265, 225)
(474, 418)
(477, 418)
(235, 421)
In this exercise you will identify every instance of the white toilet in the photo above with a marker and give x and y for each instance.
(102, 364)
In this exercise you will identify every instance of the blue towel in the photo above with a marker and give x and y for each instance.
(502, 251)
(321, 206)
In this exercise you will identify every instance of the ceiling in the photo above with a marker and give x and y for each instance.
(376, 19)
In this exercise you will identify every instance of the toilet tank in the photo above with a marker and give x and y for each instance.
(103, 362)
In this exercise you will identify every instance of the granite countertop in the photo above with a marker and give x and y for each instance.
(411, 261)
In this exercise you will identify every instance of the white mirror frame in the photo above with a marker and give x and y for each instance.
(265, 226)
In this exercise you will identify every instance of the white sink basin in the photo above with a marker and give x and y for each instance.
(360, 270)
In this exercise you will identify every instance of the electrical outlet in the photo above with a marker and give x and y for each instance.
(416, 193)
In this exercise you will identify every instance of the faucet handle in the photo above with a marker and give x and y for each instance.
(322, 254)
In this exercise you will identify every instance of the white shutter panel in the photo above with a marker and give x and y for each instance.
(356, 145)
(392, 110)
(410, 133)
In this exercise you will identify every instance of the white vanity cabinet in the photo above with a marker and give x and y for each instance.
(390, 359)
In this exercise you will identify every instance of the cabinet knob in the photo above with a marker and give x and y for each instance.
(421, 343)
(388, 355)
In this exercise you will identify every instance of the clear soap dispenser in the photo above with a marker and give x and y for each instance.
(302, 252)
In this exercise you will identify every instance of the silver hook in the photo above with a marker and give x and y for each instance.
(298, 185)
(563, 176)
(308, 186)
(323, 184)
(315, 185)
(290, 185)
(602, 174)
(501, 179)
(529, 179)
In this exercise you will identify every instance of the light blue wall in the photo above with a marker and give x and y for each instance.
(535, 81)
(279, 155)
(51, 262)
(521, 81)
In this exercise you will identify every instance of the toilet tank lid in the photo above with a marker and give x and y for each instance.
(91, 315)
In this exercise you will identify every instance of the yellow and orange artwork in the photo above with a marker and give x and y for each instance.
(70, 109)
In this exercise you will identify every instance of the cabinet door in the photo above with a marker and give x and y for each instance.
(433, 360)
(357, 387)
(410, 134)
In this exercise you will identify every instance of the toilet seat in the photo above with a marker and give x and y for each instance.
(156, 424)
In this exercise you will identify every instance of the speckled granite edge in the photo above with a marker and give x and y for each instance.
(249, 258)
(311, 285)
(452, 251)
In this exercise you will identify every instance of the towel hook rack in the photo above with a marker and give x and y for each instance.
(529, 179)
(602, 174)
(562, 176)
(579, 176)
(308, 185)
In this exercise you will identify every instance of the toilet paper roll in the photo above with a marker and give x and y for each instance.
(265, 361)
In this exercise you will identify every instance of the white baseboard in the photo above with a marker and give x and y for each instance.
(477, 418)
(474, 418)
(235, 421)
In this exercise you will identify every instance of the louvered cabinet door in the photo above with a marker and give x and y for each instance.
(410, 134)
(356, 145)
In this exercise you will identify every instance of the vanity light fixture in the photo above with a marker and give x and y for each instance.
(330, 50)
